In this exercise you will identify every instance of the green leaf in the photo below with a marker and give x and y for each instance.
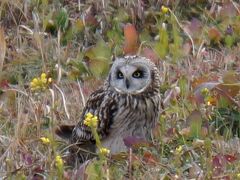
(183, 84)
(121, 16)
(195, 122)
(115, 35)
(73, 32)
(99, 58)
(145, 36)
(161, 46)
(175, 48)
(61, 19)
(94, 171)
(229, 40)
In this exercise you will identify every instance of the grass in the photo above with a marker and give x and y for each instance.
(196, 47)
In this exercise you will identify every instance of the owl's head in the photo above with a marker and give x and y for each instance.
(133, 75)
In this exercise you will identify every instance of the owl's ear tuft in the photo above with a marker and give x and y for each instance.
(64, 131)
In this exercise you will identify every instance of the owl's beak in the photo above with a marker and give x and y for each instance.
(127, 83)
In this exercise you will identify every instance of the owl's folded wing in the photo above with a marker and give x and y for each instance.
(102, 105)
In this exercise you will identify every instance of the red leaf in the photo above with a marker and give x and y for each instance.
(37, 171)
(89, 17)
(148, 158)
(131, 39)
(230, 158)
(133, 142)
(4, 84)
(218, 163)
(28, 159)
(150, 54)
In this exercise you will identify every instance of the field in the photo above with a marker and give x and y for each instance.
(53, 54)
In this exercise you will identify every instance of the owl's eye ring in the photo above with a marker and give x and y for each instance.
(138, 74)
(119, 75)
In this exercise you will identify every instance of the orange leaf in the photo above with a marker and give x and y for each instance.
(214, 34)
(131, 39)
(149, 158)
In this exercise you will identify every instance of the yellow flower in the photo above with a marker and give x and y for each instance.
(238, 176)
(89, 115)
(58, 162)
(179, 149)
(49, 80)
(40, 83)
(90, 120)
(164, 9)
(104, 151)
(35, 81)
(45, 140)
(205, 91)
(43, 76)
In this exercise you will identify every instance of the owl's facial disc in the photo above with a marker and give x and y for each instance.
(130, 78)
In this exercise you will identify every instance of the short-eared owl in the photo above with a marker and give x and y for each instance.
(128, 104)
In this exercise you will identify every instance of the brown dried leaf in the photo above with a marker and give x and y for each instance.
(2, 48)
(230, 77)
(185, 131)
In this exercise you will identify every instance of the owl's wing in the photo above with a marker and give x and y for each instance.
(101, 105)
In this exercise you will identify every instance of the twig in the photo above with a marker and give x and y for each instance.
(64, 101)
(81, 93)
(130, 164)
(200, 49)
(79, 5)
(59, 69)
(52, 107)
(53, 97)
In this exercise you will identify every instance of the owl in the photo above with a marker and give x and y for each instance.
(128, 104)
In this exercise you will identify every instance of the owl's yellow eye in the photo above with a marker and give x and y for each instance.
(119, 75)
(137, 74)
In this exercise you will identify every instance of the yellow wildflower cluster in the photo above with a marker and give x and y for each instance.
(164, 9)
(104, 151)
(58, 162)
(91, 120)
(45, 140)
(40, 83)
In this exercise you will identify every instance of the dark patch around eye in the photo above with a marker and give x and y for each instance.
(138, 74)
(119, 75)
